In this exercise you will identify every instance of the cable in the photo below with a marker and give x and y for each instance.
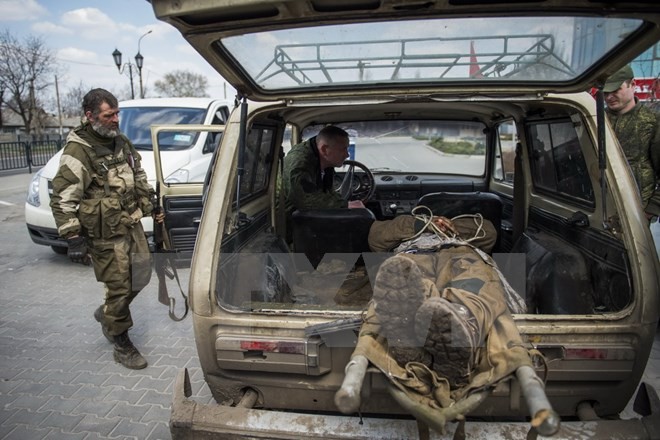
(427, 218)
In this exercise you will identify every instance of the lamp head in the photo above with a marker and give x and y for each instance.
(139, 60)
(117, 57)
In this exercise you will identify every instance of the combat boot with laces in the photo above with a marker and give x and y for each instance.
(126, 354)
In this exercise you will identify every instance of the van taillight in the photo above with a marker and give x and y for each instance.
(585, 353)
(288, 347)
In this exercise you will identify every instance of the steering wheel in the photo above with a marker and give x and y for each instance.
(352, 187)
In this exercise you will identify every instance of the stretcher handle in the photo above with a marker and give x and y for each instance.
(347, 398)
(544, 419)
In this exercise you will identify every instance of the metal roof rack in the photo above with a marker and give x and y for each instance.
(413, 59)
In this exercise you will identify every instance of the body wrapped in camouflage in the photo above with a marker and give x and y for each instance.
(101, 192)
(440, 324)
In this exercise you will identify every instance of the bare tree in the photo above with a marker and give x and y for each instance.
(72, 100)
(26, 69)
(182, 83)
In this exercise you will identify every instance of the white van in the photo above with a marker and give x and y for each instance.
(186, 155)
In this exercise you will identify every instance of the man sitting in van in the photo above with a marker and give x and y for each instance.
(309, 171)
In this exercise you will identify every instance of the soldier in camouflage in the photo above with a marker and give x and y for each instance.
(638, 130)
(100, 193)
(309, 171)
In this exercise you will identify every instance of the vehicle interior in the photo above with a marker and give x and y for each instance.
(562, 226)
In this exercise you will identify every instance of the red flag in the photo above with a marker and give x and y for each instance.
(474, 67)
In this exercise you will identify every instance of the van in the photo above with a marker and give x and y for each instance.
(459, 106)
(186, 156)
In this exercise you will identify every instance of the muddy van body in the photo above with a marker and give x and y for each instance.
(462, 107)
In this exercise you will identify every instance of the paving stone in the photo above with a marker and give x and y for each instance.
(134, 429)
(26, 417)
(25, 432)
(65, 422)
(30, 388)
(156, 413)
(153, 398)
(87, 377)
(28, 401)
(133, 412)
(64, 377)
(57, 434)
(92, 423)
(7, 386)
(7, 413)
(129, 396)
(62, 390)
(92, 392)
(123, 381)
(61, 405)
(161, 432)
(98, 408)
(147, 383)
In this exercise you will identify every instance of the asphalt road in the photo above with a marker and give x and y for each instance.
(58, 379)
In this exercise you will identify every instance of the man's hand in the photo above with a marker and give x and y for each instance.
(445, 225)
(78, 250)
(356, 204)
(158, 215)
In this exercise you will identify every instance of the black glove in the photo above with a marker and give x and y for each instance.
(78, 250)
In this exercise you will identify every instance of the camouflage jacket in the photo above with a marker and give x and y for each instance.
(98, 192)
(304, 188)
(638, 132)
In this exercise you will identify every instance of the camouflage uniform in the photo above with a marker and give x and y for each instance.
(100, 192)
(304, 187)
(638, 132)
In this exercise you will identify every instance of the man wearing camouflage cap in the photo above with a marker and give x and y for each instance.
(638, 130)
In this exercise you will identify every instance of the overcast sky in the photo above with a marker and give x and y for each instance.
(82, 35)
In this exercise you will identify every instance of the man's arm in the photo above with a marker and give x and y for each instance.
(68, 188)
(304, 193)
(145, 192)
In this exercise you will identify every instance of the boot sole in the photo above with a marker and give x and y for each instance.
(398, 293)
(447, 338)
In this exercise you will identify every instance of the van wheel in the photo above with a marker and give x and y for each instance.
(61, 250)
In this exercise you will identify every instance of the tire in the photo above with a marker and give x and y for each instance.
(61, 250)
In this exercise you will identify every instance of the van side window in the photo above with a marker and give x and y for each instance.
(258, 159)
(557, 161)
(507, 137)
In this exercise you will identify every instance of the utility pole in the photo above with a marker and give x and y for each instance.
(59, 107)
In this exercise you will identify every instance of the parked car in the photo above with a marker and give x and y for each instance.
(461, 106)
(186, 155)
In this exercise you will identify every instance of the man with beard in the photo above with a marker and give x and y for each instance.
(100, 193)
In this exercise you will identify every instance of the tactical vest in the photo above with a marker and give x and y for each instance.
(103, 212)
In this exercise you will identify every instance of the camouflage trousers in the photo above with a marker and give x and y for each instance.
(123, 265)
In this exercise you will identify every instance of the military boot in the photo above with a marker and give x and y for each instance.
(450, 334)
(98, 315)
(126, 354)
(399, 290)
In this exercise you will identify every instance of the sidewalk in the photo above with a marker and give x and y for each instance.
(58, 379)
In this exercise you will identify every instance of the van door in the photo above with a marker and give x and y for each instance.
(182, 202)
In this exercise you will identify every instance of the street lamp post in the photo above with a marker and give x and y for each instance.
(139, 59)
(117, 57)
(139, 62)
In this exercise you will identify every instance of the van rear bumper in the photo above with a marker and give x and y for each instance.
(190, 419)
